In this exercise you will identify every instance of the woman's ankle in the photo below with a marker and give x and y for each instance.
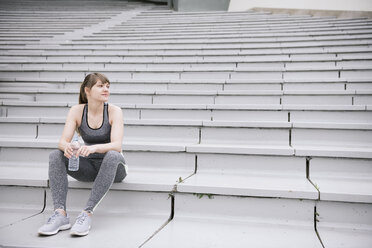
(90, 213)
(61, 211)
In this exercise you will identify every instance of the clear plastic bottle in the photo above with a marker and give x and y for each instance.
(73, 162)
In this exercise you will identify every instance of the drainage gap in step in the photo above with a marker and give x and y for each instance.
(166, 223)
(308, 175)
(196, 164)
(315, 226)
(42, 210)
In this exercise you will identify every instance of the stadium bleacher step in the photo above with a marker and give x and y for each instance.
(344, 224)
(240, 128)
(226, 220)
(142, 212)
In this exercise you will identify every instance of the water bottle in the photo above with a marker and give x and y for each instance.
(73, 162)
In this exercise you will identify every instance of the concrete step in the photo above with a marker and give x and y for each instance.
(299, 142)
(152, 168)
(337, 179)
(228, 30)
(210, 45)
(341, 97)
(329, 73)
(253, 221)
(340, 223)
(193, 132)
(111, 59)
(347, 39)
(144, 213)
(168, 29)
(255, 113)
(196, 84)
(54, 50)
(261, 176)
(15, 209)
(154, 65)
(258, 18)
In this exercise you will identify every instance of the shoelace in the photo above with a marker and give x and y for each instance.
(52, 218)
(81, 218)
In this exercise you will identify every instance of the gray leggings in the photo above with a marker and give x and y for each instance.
(102, 171)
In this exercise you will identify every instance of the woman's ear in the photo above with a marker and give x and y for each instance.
(87, 91)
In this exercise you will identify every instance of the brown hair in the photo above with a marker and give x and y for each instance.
(89, 81)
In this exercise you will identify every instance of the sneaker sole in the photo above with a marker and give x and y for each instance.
(75, 233)
(61, 228)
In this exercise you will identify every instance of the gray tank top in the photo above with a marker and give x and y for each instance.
(92, 136)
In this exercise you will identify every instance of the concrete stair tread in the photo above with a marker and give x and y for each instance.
(203, 106)
(164, 52)
(137, 180)
(334, 151)
(321, 151)
(230, 225)
(227, 147)
(23, 176)
(195, 232)
(91, 59)
(138, 228)
(185, 69)
(142, 221)
(120, 36)
(249, 185)
(342, 180)
(354, 229)
(194, 92)
(143, 180)
(339, 189)
(14, 208)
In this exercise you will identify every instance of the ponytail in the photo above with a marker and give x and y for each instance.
(82, 95)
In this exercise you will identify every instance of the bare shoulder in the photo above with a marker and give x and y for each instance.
(75, 113)
(115, 113)
(114, 109)
(77, 109)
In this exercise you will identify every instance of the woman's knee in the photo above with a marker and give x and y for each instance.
(56, 156)
(113, 157)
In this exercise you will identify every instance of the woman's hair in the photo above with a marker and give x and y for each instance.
(89, 81)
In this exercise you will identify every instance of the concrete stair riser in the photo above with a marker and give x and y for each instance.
(354, 227)
(15, 208)
(336, 178)
(244, 211)
(261, 176)
(218, 85)
(352, 114)
(140, 161)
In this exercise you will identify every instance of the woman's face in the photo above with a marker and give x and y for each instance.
(99, 92)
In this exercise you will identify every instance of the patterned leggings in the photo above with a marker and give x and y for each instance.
(102, 171)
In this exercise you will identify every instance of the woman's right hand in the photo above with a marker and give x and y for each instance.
(68, 151)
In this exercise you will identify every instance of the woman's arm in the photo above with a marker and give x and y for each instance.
(117, 132)
(68, 131)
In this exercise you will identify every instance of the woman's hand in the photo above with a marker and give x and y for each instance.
(85, 151)
(68, 151)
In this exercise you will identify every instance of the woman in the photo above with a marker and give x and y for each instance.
(101, 127)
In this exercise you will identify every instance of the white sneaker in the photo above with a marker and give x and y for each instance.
(57, 222)
(82, 225)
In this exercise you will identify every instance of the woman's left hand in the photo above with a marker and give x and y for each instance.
(85, 151)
